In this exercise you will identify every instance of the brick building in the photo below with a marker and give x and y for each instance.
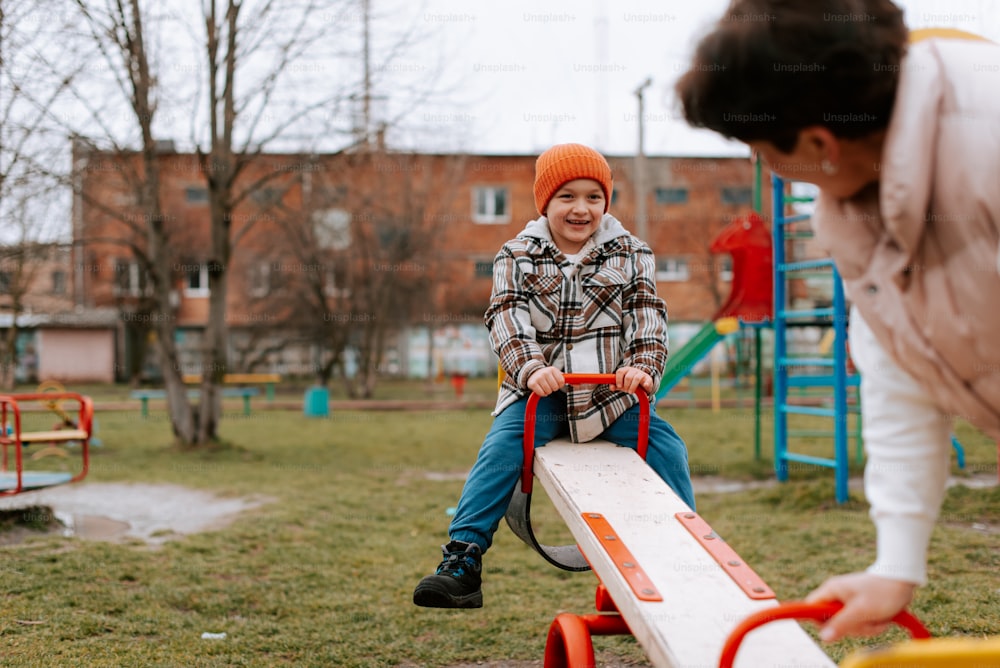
(404, 240)
(42, 331)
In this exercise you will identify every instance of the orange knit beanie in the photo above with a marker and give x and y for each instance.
(565, 162)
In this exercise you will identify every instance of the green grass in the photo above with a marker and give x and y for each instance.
(323, 574)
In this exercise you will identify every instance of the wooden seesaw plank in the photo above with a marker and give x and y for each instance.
(701, 602)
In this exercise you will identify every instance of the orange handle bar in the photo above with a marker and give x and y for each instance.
(527, 475)
(819, 612)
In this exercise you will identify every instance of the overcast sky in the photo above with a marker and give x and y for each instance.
(531, 74)
(511, 77)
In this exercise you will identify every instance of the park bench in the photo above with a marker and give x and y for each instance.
(15, 436)
(227, 392)
(268, 380)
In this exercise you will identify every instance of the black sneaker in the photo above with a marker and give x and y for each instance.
(458, 579)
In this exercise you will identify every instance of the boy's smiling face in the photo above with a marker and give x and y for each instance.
(574, 213)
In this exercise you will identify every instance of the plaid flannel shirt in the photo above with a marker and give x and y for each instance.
(606, 317)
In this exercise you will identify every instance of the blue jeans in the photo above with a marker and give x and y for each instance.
(497, 470)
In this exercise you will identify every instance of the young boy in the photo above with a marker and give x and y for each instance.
(573, 293)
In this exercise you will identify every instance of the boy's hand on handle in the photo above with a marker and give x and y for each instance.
(548, 379)
(870, 603)
(628, 379)
(545, 381)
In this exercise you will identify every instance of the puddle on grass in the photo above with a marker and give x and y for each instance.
(120, 512)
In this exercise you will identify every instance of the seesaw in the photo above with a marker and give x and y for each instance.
(13, 437)
(665, 576)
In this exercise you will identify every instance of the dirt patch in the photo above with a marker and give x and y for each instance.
(119, 512)
(17, 525)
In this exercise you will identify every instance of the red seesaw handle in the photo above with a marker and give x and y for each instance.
(819, 612)
(577, 379)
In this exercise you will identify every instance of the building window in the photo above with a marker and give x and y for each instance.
(490, 205)
(803, 197)
(393, 236)
(260, 279)
(334, 283)
(130, 280)
(196, 281)
(484, 269)
(672, 269)
(671, 195)
(331, 194)
(58, 282)
(726, 269)
(736, 195)
(196, 195)
(266, 196)
(5, 282)
(332, 229)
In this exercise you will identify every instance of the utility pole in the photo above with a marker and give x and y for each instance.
(641, 221)
(366, 99)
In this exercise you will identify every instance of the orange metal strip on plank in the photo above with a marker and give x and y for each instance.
(623, 560)
(744, 576)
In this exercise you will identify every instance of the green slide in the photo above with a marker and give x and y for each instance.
(680, 362)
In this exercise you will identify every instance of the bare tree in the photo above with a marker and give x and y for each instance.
(265, 79)
(28, 87)
(26, 257)
(119, 33)
(396, 259)
(232, 43)
(239, 128)
(383, 233)
(18, 263)
(367, 239)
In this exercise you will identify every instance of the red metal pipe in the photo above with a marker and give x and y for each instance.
(819, 612)
(570, 644)
(530, 409)
(603, 601)
(13, 439)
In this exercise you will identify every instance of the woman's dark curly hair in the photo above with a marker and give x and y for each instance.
(772, 67)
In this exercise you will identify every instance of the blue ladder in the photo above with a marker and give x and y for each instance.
(789, 371)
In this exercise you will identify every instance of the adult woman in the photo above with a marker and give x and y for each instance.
(904, 145)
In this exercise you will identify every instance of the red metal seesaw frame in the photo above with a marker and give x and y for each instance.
(819, 612)
(570, 639)
(527, 475)
(569, 643)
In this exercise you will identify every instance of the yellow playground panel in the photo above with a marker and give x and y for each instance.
(933, 653)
